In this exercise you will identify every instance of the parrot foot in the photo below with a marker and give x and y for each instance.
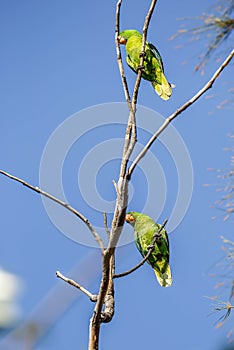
(140, 67)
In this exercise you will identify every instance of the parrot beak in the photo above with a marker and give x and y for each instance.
(129, 219)
(122, 40)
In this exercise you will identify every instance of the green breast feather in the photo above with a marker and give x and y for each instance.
(144, 231)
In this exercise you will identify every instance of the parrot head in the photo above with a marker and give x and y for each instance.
(126, 34)
(130, 217)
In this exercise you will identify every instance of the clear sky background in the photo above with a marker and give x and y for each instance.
(57, 58)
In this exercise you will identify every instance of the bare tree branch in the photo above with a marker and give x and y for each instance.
(131, 135)
(144, 36)
(63, 204)
(207, 86)
(109, 309)
(150, 249)
(91, 296)
(116, 188)
(128, 132)
(119, 57)
(104, 308)
(122, 199)
(131, 128)
(106, 225)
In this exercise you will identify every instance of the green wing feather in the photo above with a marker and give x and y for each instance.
(144, 231)
(156, 53)
(153, 66)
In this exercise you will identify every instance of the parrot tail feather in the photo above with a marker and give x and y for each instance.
(164, 90)
(164, 279)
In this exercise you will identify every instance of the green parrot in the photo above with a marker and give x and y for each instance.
(153, 66)
(144, 230)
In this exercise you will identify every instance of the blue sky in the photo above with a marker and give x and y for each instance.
(58, 58)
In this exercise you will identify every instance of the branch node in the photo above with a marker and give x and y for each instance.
(116, 188)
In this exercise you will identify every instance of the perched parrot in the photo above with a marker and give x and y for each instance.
(144, 230)
(153, 66)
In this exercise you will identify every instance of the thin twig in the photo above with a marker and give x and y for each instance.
(91, 296)
(119, 57)
(128, 132)
(167, 121)
(105, 224)
(150, 249)
(63, 204)
(144, 37)
(116, 188)
(132, 116)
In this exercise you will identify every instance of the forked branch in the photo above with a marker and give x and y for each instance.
(122, 193)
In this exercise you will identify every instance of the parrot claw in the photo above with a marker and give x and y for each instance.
(140, 67)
